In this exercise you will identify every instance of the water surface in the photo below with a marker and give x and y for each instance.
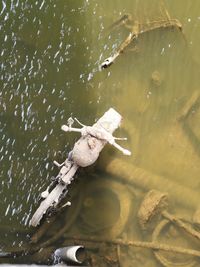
(50, 57)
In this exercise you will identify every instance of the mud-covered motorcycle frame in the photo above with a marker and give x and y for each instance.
(84, 153)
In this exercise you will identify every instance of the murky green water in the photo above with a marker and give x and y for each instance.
(50, 57)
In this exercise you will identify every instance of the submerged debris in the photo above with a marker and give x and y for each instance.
(155, 203)
(72, 254)
(142, 244)
(85, 152)
(156, 78)
(110, 196)
(152, 205)
(169, 260)
(136, 29)
(137, 176)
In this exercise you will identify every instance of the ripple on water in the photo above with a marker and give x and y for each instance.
(43, 54)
